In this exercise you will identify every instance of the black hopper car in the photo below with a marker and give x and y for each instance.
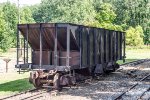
(61, 52)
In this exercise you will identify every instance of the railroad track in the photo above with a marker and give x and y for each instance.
(126, 95)
(18, 94)
(119, 97)
(136, 62)
(26, 95)
(133, 63)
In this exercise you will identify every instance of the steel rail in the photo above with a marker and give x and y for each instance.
(32, 90)
(35, 98)
(32, 96)
(143, 94)
(141, 61)
(118, 97)
(136, 61)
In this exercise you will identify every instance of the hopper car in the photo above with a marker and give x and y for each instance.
(61, 52)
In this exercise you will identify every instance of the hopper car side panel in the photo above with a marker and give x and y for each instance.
(88, 46)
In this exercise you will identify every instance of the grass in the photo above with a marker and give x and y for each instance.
(10, 54)
(138, 54)
(133, 54)
(13, 83)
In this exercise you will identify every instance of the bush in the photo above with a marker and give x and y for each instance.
(134, 36)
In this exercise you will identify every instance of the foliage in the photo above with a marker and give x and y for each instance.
(105, 16)
(26, 15)
(105, 13)
(10, 15)
(72, 11)
(9, 21)
(36, 15)
(5, 33)
(133, 13)
(8, 25)
(132, 16)
(134, 36)
(11, 83)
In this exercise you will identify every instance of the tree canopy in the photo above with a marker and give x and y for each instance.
(73, 11)
(134, 36)
(130, 16)
(9, 21)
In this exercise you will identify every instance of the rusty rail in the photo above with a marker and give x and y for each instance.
(119, 97)
(136, 62)
(139, 62)
(32, 90)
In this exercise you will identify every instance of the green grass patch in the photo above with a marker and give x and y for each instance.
(15, 86)
(7, 77)
(126, 61)
(137, 47)
(13, 83)
(136, 53)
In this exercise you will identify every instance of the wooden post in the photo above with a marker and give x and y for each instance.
(7, 61)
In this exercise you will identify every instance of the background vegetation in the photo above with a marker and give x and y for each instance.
(130, 16)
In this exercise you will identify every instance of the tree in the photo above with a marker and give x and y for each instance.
(73, 11)
(105, 16)
(5, 33)
(134, 36)
(133, 13)
(10, 13)
(26, 15)
(36, 14)
(105, 13)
